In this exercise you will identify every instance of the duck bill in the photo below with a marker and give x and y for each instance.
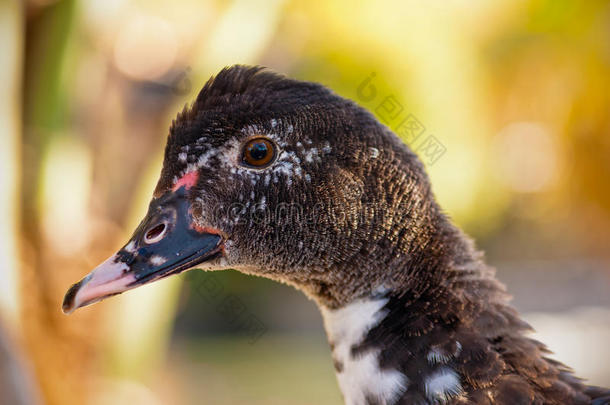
(165, 243)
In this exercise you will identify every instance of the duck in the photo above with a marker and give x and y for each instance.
(285, 179)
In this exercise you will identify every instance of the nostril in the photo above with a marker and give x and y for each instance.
(155, 234)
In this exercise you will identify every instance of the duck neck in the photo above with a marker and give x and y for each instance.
(405, 339)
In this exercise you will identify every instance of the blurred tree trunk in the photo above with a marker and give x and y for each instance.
(60, 351)
(16, 385)
(11, 43)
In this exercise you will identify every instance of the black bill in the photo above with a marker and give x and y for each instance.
(166, 242)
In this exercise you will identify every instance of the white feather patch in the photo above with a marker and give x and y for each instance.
(361, 376)
(443, 385)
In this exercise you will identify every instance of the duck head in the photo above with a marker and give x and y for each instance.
(283, 179)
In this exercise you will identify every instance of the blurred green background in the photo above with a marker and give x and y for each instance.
(516, 94)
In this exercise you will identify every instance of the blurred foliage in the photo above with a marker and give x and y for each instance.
(516, 92)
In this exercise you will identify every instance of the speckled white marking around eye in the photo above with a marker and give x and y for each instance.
(285, 168)
(157, 260)
(182, 157)
(361, 375)
(252, 130)
(278, 140)
(204, 159)
(442, 385)
(374, 153)
(130, 247)
(311, 154)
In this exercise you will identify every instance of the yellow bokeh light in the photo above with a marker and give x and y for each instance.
(145, 47)
(527, 157)
(66, 187)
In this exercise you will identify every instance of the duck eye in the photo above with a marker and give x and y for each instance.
(258, 152)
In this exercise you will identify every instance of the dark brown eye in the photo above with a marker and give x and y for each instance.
(258, 152)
